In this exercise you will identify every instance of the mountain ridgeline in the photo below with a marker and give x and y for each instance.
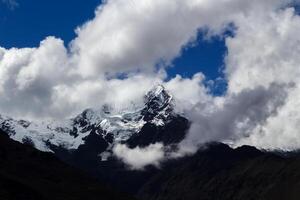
(86, 142)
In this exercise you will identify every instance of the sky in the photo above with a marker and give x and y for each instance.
(31, 21)
(232, 66)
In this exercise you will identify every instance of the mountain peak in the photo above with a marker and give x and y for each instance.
(157, 102)
(157, 92)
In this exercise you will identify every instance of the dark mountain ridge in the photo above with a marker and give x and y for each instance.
(220, 172)
(214, 172)
(26, 173)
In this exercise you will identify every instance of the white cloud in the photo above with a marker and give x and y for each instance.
(138, 35)
(188, 92)
(138, 158)
(233, 117)
(264, 50)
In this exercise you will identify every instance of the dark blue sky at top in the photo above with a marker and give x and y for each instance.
(33, 20)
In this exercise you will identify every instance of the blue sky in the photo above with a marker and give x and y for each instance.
(31, 21)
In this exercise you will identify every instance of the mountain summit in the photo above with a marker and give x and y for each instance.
(158, 105)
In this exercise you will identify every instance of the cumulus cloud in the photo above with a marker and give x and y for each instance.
(279, 131)
(138, 158)
(234, 117)
(121, 53)
(188, 92)
(261, 67)
(261, 55)
(134, 35)
(264, 53)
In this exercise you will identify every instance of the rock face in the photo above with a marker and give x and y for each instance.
(26, 173)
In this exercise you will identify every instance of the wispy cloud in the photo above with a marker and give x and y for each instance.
(11, 4)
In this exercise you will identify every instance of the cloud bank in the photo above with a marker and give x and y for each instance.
(121, 53)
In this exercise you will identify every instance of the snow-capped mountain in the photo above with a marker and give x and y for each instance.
(139, 126)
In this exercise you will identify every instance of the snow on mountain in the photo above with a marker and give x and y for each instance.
(113, 126)
(42, 134)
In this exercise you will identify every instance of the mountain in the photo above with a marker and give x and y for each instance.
(86, 141)
(215, 171)
(29, 174)
(220, 172)
(109, 127)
